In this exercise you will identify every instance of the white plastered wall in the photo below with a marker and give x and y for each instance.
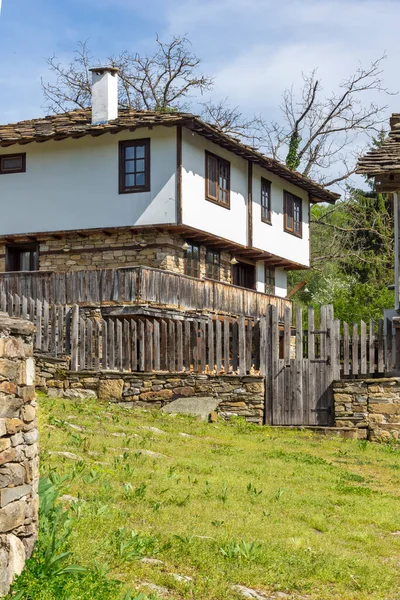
(198, 212)
(280, 280)
(273, 238)
(73, 184)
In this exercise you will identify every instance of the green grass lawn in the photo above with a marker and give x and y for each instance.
(225, 504)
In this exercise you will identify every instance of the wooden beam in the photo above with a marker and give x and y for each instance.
(179, 175)
(250, 203)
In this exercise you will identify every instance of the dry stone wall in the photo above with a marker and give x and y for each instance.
(19, 463)
(242, 396)
(159, 248)
(372, 404)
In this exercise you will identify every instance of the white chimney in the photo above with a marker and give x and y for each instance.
(104, 94)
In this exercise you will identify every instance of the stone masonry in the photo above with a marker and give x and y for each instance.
(19, 463)
(157, 248)
(372, 404)
(241, 396)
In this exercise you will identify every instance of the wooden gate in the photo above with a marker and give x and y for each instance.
(299, 367)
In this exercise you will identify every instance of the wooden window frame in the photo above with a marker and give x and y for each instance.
(191, 269)
(21, 155)
(213, 264)
(34, 258)
(123, 189)
(209, 197)
(290, 199)
(266, 210)
(271, 281)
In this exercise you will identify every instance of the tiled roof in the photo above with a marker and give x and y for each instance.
(386, 158)
(77, 124)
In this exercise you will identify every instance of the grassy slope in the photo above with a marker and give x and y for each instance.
(231, 504)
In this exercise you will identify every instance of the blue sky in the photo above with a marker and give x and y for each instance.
(253, 48)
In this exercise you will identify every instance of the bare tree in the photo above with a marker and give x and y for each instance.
(164, 80)
(318, 134)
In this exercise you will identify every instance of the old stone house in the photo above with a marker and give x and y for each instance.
(110, 188)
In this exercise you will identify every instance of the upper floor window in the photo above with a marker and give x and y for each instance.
(22, 257)
(134, 166)
(292, 214)
(265, 200)
(269, 278)
(218, 176)
(192, 260)
(213, 264)
(12, 163)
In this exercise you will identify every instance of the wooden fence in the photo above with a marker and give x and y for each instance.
(139, 285)
(298, 363)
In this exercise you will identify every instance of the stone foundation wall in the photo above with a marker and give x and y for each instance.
(242, 396)
(372, 404)
(19, 463)
(161, 249)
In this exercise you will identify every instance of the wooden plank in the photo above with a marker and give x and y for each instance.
(306, 392)
(148, 346)
(53, 329)
(336, 358)
(286, 335)
(68, 318)
(24, 312)
(226, 346)
(274, 365)
(363, 348)
(111, 344)
(82, 344)
(186, 345)
(256, 345)
(119, 341)
(218, 346)
(311, 336)
(242, 346)
(372, 362)
(45, 346)
(298, 392)
(104, 344)
(210, 346)
(60, 329)
(195, 346)
(203, 348)
(346, 349)
(96, 345)
(389, 345)
(157, 345)
(354, 346)
(39, 325)
(171, 346)
(164, 345)
(89, 345)
(17, 306)
(134, 346)
(179, 346)
(249, 345)
(141, 345)
(235, 346)
(381, 347)
(74, 337)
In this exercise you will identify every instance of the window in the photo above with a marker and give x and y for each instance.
(218, 175)
(265, 200)
(12, 163)
(134, 166)
(292, 214)
(269, 280)
(212, 264)
(22, 257)
(192, 260)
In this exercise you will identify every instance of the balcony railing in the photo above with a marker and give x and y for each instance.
(139, 285)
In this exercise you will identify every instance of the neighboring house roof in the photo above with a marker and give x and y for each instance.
(77, 124)
(385, 158)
